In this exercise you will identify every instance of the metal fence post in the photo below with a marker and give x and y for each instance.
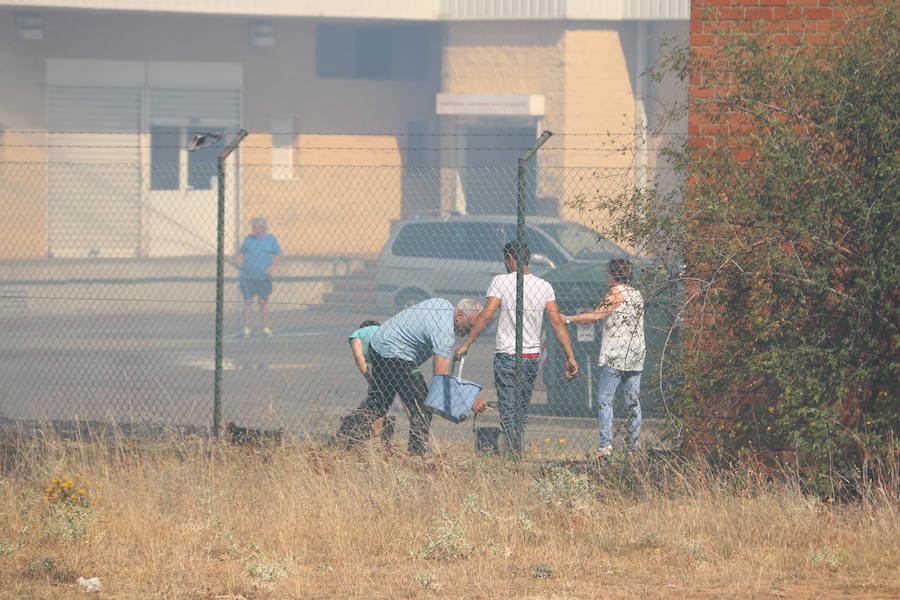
(220, 279)
(519, 437)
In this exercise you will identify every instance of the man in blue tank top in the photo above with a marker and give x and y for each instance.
(258, 258)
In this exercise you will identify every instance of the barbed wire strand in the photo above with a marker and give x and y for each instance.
(31, 297)
(341, 148)
(332, 133)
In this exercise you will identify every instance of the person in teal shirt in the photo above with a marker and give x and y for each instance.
(359, 345)
(259, 256)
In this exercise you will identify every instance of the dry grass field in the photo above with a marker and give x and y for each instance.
(192, 519)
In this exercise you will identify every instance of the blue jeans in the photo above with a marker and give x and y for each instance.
(609, 381)
(505, 383)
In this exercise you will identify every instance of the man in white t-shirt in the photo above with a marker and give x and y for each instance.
(538, 298)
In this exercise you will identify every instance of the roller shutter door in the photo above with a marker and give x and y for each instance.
(94, 185)
(199, 109)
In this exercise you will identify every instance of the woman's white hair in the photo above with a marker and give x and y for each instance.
(469, 306)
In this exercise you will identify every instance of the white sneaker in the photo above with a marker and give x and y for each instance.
(605, 451)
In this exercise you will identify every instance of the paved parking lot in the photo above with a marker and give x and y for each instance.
(146, 365)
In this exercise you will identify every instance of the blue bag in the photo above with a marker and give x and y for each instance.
(451, 397)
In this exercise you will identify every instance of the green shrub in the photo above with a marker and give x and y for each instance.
(783, 239)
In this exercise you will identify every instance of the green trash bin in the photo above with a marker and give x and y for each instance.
(580, 287)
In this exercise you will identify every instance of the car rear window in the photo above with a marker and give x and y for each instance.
(459, 241)
(425, 240)
(467, 241)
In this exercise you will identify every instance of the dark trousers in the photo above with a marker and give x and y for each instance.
(391, 377)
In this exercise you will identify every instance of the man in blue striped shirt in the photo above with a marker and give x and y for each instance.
(397, 349)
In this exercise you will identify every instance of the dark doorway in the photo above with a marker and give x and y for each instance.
(489, 177)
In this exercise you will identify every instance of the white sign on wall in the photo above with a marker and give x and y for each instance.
(585, 332)
(507, 105)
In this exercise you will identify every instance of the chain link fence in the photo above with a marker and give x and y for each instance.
(108, 286)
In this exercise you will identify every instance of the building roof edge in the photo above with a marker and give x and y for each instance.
(408, 10)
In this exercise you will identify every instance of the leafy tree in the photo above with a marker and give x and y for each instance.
(787, 222)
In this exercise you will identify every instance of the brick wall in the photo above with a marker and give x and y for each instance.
(786, 22)
(713, 127)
